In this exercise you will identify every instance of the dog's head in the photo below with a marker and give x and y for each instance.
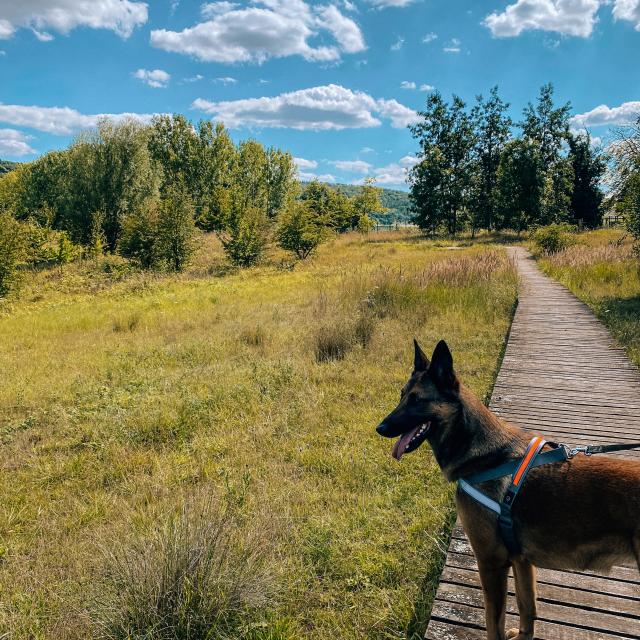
(429, 402)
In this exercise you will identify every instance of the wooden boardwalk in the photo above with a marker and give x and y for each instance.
(561, 375)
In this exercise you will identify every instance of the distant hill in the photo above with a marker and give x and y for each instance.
(6, 166)
(396, 201)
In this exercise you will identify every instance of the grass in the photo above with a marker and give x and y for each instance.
(125, 395)
(603, 270)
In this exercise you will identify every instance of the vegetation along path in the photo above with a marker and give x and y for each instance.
(561, 375)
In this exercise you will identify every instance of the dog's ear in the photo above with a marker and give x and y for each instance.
(420, 361)
(441, 369)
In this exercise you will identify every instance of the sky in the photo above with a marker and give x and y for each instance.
(335, 82)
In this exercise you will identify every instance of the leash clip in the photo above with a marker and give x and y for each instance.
(574, 451)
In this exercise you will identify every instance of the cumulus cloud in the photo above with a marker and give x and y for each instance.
(406, 84)
(627, 10)
(430, 37)
(309, 176)
(14, 143)
(603, 115)
(426, 87)
(157, 78)
(120, 16)
(353, 166)
(453, 46)
(396, 172)
(59, 120)
(381, 4)
(318, 108)
(568, 17)
(226, 80)
(266, 29)
(303, 163)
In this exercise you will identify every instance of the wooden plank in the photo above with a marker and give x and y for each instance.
(562, 375)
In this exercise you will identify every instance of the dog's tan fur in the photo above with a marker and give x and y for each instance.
(580, 514)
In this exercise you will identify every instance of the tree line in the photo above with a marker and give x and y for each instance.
(474, 172)
(144, 191)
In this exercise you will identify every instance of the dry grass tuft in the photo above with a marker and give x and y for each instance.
(202, 574)
(254, 336)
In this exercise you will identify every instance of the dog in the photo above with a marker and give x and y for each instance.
(582, 513)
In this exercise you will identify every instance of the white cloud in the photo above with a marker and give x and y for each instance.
(317, 108)
(303, 163)
(353, 166)
(396, 172)
(453, 46)
(627, 10)
(226, 80)
(324, 177)
(344, 30)
(626, 113)
(397, 45)
(195, 78)
(406, 84)
(157, 78)
(367, 150)
(426, 87)
(266, 29)
(430, 37)
(59, 120)
(120, 16)
(382, 4)
(14, 143)
(568, 17)
(43, 36)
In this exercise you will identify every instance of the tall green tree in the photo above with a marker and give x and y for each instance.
(280, 177)
(626, 176)
(299, 230)
(176, 227)
(250, 188)
(588, 165)
(440, 181)
(365, 204)
(492, 131)
(520, 184)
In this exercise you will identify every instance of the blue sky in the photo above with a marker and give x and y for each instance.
(335, 82)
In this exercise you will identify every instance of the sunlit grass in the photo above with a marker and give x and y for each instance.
(604, 270)
(123, 393)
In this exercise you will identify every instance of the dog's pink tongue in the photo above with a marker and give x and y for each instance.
(401, 444)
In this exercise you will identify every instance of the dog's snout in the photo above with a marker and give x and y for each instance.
(382, 429)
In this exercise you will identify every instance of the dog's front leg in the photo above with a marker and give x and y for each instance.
(493, 577)
(524, 574)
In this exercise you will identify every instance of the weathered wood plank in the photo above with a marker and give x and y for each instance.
(562, 375)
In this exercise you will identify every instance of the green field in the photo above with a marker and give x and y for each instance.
(602, 269)
(126, 395)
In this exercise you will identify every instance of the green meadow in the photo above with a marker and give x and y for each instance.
(140, 413)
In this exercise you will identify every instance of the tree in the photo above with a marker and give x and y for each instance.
(13, 245)
(140, 240)
(366, 203)
(557, 192)
(441, 180)
(546, 125)
(330, 207)
(246, 237)
(280, 177)
(176, 227)
(520, 184)
(250, 188)
(299, 230)
(625, 183)
(588, 169)
(492, 131)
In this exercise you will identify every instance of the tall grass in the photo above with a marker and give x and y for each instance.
(201, 574)
(106, 423)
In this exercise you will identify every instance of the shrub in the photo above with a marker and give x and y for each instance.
(333, 341)
(553, 238)
(139, 240)
(202, 574)
(245, 239)
(13, 251)
(176, 228)
(300, 231)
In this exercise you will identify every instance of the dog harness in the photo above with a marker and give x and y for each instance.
(518, 470)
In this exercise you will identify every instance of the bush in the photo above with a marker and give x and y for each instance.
(13, 251)
(553, 238)
(139, 240)
(203, 574)
(245, 239)
(333, 341)
(300, 231)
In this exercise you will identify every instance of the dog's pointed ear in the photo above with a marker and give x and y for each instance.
(441, 369)
(420, 361)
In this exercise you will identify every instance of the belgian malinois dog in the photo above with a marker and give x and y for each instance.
(583, 513)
